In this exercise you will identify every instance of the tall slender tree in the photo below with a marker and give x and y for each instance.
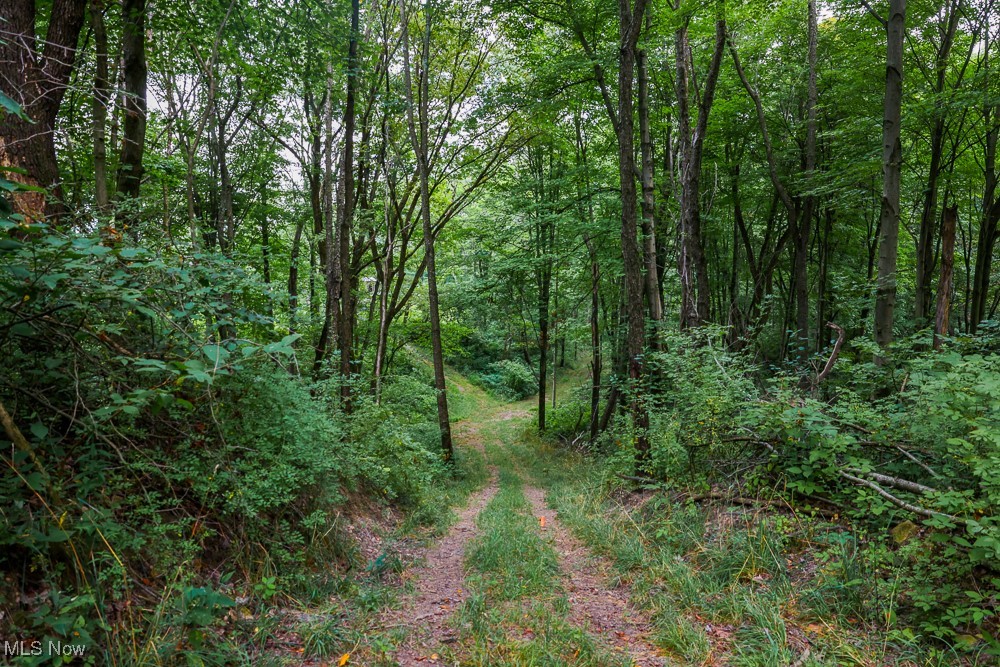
(892, 157)
(631, 19)
(419, 131)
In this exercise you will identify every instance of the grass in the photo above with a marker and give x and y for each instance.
(341, 614)
(730, 585)
(721, 585)
(517, 611)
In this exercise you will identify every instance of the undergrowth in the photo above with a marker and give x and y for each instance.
(744, 585)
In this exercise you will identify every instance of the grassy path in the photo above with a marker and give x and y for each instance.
(546, 564)
(508, 584)
(596, 604)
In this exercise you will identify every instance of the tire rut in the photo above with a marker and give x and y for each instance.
(440, 586)
(602, 610)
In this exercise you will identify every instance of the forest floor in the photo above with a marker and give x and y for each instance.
(536, 567)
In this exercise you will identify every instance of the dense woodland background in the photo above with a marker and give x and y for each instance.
(241, 241)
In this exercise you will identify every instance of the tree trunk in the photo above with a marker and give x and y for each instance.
(892, 156)
(293, 277)
(631, 20)
(99, 108)
(419, 140)
(925, 236)
(806, 220)
(948, 224)
(346, 337)
(134, 128)
(331, 261)
(928, 217)
(823, 300)
(648, 202)
(990, 217)
(693, 268)
(595, 289)
(595, 340)
(37, 79)
(544, 280)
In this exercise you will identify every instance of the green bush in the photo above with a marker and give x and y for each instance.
(932, 442)
(509, 379)
(166, 446)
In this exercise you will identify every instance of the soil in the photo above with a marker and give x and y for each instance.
(596, 605)
(439, 584)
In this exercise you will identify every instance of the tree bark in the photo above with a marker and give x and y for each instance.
(941, 320)
(928, 217)
(806, 219)
(419, 140)
(595, 340)
(693, 267)
(330, 246)
(631, 20)
(892, 156)
(36, 79)
(293, 277)
(991, 212)
(130, 168)
(648, 202)
(99, 106)
(346, 337)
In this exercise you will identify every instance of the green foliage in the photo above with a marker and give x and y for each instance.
(509, 378)
(717, 419)
(164, 443)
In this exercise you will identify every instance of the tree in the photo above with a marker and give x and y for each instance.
(892, 156)
(39, 75)
(631, 19)
(692, 264)
(134, 128)
(419, 131)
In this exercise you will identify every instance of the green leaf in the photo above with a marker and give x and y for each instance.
(13, 107)
(284, 346)
(216, 354)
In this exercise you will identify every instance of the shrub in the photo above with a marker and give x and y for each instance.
(509, 379)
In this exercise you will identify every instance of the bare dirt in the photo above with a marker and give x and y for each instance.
(595, 605)
(440, 588)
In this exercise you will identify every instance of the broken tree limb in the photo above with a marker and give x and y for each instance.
(896, 482)
(743, 500)
(16, 437)
(639, 480)
(899, 502)
(834, 354)
(920, 463)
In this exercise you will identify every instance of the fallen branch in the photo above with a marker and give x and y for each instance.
(896, 482)
(743, 500)
(16, 437)
(640, 480)
(918, 462)
(899, 502)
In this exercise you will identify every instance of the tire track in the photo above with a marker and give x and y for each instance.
(602, 610)
(440, 586)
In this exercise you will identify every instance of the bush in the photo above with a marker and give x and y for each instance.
(164, 447)
(933, 443)
(509, 379)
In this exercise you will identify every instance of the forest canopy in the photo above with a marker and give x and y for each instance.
(262, 264)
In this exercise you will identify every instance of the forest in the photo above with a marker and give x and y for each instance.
(498, 332)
